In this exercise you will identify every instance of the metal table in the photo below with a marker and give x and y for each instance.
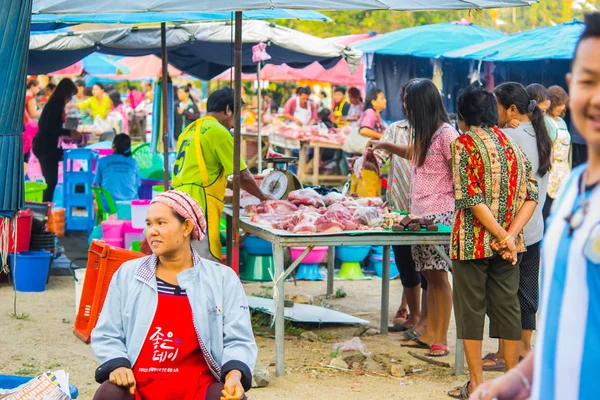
(280, 241)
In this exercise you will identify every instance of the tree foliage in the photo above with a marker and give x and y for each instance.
(509, 20)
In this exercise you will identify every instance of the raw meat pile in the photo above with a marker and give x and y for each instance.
(312, 135)
(307, 212)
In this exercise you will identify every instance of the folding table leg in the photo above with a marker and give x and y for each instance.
(279, 311)
(385, 290)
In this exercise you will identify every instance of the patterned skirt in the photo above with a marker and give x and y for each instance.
(425, 256)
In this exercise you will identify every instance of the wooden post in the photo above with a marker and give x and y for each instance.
(235, 252)
(165, 101)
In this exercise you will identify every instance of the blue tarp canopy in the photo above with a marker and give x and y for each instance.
(202, 50)
(428, 41)
(547, 43)
(143, 6)
(157, 17)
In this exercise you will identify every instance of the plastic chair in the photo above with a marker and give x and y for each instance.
(101, 196)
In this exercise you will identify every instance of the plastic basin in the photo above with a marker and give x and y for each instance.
(257, 246)
(113, 229)
(317, 254)
(31, 271)
(352, 253)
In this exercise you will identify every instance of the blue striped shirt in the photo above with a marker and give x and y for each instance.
(568, 342)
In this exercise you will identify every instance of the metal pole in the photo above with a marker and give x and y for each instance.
(165, 100)
(385, 290)
(259, 119)
(235, 252)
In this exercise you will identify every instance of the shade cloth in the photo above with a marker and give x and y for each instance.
(201, 50)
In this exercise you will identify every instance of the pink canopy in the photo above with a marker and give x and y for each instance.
(145, 67)
(72, 70)
(338, 75)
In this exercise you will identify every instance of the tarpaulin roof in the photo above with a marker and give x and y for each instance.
(202, 50)
(429, 41)
(143, 6)
(338, 75)
(547, 43)
(156, 17)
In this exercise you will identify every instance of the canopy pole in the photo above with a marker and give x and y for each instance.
(165, 101)
(260, 159)
(235, 252)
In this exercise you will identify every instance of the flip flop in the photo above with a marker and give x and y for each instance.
(463, 394)
(438, 347)
(418, 344)
(410, 334)
(397, 328)
(499, 365)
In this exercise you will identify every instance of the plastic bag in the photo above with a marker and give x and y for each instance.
(353, 344)
(368, 216)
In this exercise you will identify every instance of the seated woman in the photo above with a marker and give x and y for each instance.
(118, 173)
(174, 325)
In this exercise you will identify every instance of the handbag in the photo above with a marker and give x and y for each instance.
(355, 143)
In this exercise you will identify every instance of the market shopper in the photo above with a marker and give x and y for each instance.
(432, 197)
(561, 145)
(410, 317)
(174, 326)
(356, 104)
(495, 196)
(566, 352)
(204, 161)
(300, 109)
(98, 106)
(117, 118)
(118, 173)
(370, 123)
(31, 109)
(187, 111)
(341, 106)
(45, 143)
(515, 103)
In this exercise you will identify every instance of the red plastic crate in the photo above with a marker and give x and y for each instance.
(103, 262)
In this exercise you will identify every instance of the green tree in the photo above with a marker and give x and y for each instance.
(509, 20)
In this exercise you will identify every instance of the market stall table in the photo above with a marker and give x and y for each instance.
(248, 138)
(284, 239)
(315, 179)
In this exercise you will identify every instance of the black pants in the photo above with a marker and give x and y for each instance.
(529, 286)
(50, 171)
(547, 208)
(406, 266)
(579, 154)
(109, 391)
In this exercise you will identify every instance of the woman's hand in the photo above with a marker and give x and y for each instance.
(375, 144)
(233, 386)
(506, 247)
(123, 377)
(298, 122)
(514, 123)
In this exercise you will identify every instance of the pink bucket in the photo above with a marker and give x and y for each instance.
(317, 254)
(113, 229)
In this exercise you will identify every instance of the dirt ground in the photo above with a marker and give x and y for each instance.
(45, 341)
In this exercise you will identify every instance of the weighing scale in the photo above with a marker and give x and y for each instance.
(280, 182)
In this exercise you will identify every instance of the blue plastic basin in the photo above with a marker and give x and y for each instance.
(13, 381)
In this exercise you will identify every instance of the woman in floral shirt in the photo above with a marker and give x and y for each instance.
(495, 197)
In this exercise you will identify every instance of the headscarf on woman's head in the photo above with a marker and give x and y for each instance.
(184, 205)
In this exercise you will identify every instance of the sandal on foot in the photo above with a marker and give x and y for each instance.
(416, 343)
(401, 316)
(499, 364)
(410, 334)
(438, 347)
(463, 393)
(397, 328)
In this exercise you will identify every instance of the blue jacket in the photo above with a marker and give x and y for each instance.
(219, 308)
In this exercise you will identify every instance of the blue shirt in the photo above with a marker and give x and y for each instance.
(119, 175)
(567, 347)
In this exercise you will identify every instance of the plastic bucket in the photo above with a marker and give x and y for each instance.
(80, 277)
(352, 253)
(139, 211)
(31, 271)
(113, 229)
(256, 246)
(24, 223)
(123, 209)
(34, 191)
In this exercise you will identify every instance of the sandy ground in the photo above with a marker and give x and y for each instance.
(44, 341)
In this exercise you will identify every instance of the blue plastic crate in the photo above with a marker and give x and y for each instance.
(13, 381)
